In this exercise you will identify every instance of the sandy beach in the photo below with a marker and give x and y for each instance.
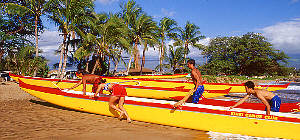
(26, 117)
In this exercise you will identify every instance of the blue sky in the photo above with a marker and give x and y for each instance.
(217, 17)
(278, 20)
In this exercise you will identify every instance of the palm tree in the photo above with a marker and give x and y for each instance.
(175, 58)
(21, 60)
(109, 38)
(167, 29)
(142, 29)
(35, 7)
(88, 34)
(189, 36)
(130, 12)
(149, 37)
(66, 16)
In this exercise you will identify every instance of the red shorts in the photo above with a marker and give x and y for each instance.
(96, 84)
(119, 90)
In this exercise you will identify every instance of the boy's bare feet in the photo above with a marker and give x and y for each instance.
(129, 120)
(121, 116)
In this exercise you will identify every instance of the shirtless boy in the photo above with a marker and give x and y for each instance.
(269, 99)
(87, 78)
(198, 82)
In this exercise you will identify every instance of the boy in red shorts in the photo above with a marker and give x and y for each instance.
(118, 93)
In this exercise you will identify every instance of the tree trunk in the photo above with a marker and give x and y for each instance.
(61, 59)
(36, 42)
(185, 53)
(64, 64)
(143, 58)
(107, 73)
(65, 59)
(116, 66)
(87, 65)
(129, 64)
(36, 37)
(161, 55)
(96, 64)
(136, 55)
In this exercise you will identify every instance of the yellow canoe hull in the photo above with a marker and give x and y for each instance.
(199, 117)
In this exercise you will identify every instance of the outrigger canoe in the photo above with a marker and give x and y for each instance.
(132, 88)
(158, 93)
(183, 86)
(193, 116)
(235, 88)
(156, 76)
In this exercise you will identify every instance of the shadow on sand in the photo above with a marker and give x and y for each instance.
(44, 103)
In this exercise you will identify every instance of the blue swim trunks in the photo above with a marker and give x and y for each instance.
(275, 103)
(197, 94)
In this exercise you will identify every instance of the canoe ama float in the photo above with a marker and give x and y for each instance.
(193, 116)
(131, 87)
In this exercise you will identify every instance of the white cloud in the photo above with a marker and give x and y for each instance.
(167, 12)
(204, 41)
(284, 36)
(294, 1)
(105, 2)
(49, 41)
(194, 52)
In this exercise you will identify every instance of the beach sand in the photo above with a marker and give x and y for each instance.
(23, 116)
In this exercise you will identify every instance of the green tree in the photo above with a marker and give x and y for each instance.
(166, 31)
(149, 37)
(34, 7)
(140, 29)
(130, 13)
(23, 61)
(250, 54)
(175, 59)
(188, 36)
(17, 25)
(66, 16)
(109, 38)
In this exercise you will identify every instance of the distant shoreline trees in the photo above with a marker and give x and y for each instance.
(250, 54)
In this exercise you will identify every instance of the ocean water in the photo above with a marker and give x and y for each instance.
(290, 94)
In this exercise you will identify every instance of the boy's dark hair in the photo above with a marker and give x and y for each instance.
(191, 61)
(249, 84)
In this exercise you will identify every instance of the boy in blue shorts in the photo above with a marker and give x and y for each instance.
(269, 99)
(198, 82)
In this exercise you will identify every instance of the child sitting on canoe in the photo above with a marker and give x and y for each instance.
(269, 99)
(87, 78)
(118, 93)
(198, 90)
